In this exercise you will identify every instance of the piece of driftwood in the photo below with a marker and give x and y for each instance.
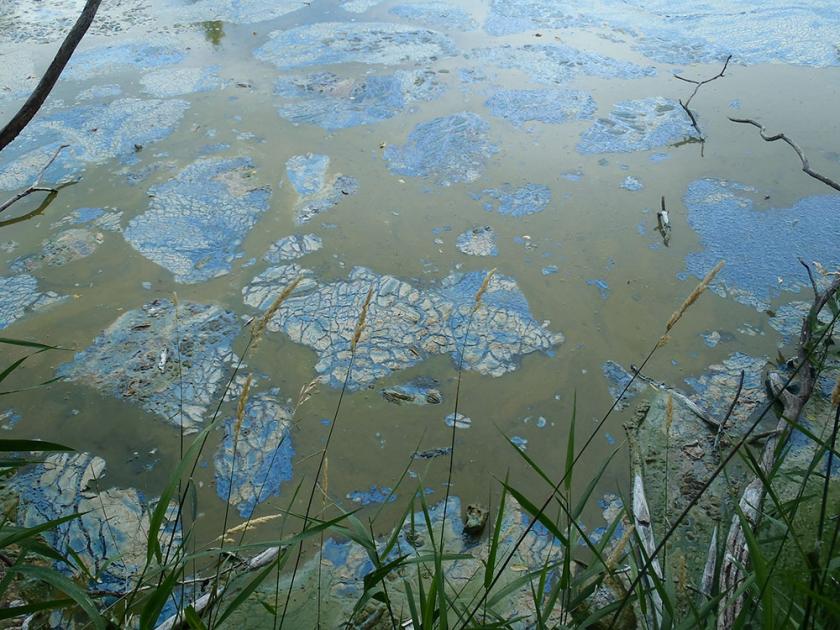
(806, 166)
(793, 399)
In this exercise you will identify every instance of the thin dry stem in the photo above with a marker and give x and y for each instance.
(693, 296)
(835, 395)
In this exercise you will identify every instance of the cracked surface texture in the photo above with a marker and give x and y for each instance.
(333, 102)
(95, 133)
(559, 63)
(760, 267)
(681, 31)
(448, 150)
(436, 14)
(261, 460)
(292, 247)
(516, 202)
(547, 106)
(404, 324)
(638, 125)
(66, 247)
(197, 221)
(19, 295)
(154, 359)
(338, 42)
(111, 534)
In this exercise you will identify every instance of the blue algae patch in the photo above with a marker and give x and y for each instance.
(559, 63)
(547, 106)
(638, 126)
(632, 184)
(479, 241)
(549, 270)
(338, 42)
(234, 11)
(372, 496)
(681, 31)
(252, 465)
(95, 133)
(197, 221)
(601, 285)
(169, 365)
(359, 6)
(410, 323)
(711, 338)
(96, 92)
(110, 531)
(95, 62)
(63, 248)
(333, 102)
(519, 442)
(516, 202)
(293, 247)
(659, 157)
(760, 267)
(169, 82)
(317, 193)
(618, 379)
(85, 215)
(308, 173)
(787, 319)
(9, 419)
(436, 14)
(716, 388)
(19, 295)
(449, 150)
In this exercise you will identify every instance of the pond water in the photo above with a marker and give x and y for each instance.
(221, 149)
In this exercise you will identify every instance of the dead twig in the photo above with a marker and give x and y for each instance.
(36, 185)
(806, 166)
(28, 110)
(697, 86)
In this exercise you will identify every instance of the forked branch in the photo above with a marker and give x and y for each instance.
(36, 185)
(697, 86)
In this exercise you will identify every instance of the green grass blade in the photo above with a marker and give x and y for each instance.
(66, 586)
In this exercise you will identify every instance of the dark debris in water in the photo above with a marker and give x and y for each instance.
(419, 391)
(170, 366)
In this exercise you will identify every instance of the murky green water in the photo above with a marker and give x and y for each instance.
(590, 230)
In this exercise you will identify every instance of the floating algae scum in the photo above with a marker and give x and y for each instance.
(222, 149)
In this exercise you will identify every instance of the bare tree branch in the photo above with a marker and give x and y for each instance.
(697, 86)
(36, 185)
(48, 81)
(806, 166)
